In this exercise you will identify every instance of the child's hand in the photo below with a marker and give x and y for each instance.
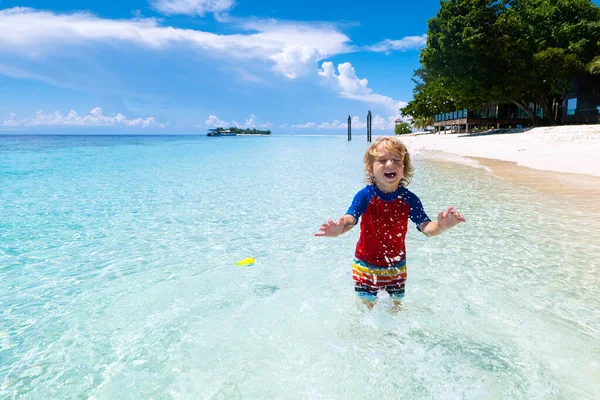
(449, 218)
(331, 229)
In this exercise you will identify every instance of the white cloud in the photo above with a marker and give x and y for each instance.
(11, 121)
(290, 48)
(356, 123)
(214, 122)
(378, 123)
(333, 125)
(193, 7)
(304, 126)
(404, 44)
(381, 123)
(351, 87)
(94, 118)
(251, 122)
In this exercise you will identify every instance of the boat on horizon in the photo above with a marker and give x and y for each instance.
(220, 132)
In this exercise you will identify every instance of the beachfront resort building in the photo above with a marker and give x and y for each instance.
(492, 115)
(581, 105)
(582, 102)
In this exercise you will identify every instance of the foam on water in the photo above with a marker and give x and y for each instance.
(118, 277)
(441, 156)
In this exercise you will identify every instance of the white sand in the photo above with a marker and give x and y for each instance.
(574, 149)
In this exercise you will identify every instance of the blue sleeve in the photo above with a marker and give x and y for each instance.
(360, 203)
(417, 213)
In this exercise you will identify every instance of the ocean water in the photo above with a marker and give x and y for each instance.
(118, 277)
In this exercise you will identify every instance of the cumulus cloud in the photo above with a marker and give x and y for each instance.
(349, 86)
(304, 126)
(193, 7)
(72, 118)
(289, 48)
(250, 123)
(333, 125)
(377, 123)
(214, 122)
(404, 44)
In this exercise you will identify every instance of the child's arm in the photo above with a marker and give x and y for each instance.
(446, 220)
(333, 229)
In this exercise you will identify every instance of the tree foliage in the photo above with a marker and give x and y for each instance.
(422, 122)
(430, 97)
(594, 66)
(506, 51)
(402, 128)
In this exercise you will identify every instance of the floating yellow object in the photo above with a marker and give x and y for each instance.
(246, 262)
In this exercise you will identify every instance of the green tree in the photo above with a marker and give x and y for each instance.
(422, 123)
(418, 123)
(519, 51)
(402, 128)
(594, 66)
(430, 97)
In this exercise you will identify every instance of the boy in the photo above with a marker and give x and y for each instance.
(385, 206)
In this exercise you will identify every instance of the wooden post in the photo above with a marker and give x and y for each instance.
(369, 126)
(349, 128)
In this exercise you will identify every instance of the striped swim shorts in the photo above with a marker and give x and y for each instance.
(370, 279)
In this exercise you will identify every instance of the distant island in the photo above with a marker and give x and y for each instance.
(233, 131)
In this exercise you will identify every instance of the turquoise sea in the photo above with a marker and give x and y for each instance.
(118, 277)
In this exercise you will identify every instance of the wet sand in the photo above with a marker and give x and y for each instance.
(562, 161)
(578, 190)
(574, 149)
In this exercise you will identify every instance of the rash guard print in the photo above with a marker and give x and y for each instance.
(384, 224)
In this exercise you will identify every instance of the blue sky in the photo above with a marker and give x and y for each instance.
(182, 66)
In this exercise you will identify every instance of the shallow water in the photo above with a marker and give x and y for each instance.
(118, 277)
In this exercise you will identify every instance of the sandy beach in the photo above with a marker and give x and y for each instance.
(574, 149)
(562, 161)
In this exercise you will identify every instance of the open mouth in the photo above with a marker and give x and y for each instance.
(390, 175)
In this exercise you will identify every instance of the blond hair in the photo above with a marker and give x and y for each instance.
(394, 146)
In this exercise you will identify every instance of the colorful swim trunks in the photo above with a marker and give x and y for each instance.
(370, 279)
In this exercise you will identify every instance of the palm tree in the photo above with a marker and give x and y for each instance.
(419, 123)
(428, 122)
(423, 122)
(594, 66)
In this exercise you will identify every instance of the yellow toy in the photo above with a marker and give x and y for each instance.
(246, 262)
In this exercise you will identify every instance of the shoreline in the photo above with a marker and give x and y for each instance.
(572, 149)
(562, 162)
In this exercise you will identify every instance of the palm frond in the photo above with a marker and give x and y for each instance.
(594, 66)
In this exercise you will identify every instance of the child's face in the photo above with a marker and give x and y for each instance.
(387, 170)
